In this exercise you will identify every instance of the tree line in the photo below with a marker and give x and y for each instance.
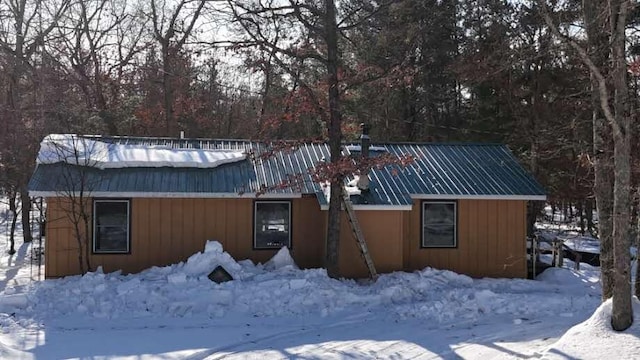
(549, 79)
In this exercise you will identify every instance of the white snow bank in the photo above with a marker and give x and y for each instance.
(9, 351)
(77, 150)
(595, 339)
(280, 289)
(202, 263)
(281, 260)
(555, 275)
(582, 243)
(13, 301)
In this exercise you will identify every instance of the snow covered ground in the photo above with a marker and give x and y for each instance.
(276, 311)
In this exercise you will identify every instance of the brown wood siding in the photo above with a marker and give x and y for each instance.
(61, 259)
(491, 237)
(309, 226)
(491, 240)
(167, 231)
(383, 232)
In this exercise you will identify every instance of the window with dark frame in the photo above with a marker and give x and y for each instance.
(439, 224)
(111, 230)
(272, 224)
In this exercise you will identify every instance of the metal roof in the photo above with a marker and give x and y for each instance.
(461, 170)
(438, 171)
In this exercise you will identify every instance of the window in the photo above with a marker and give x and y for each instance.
(272, 227)
(111, 226)
(439, 224)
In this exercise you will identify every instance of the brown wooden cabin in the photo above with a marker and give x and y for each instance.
(458, 207)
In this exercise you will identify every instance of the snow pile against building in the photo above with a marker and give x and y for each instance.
(84, 151)
(279, 288)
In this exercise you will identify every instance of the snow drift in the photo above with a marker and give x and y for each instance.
(279, 288)
(96, 315)
(596, 339)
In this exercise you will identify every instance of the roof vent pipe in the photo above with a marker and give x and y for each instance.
(365, 143)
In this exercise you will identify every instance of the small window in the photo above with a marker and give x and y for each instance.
(272, 228)
(439, 224)
(111, 226)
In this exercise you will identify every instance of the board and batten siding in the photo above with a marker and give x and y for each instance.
(167, 231)
(383, 233)
(491, 237)
(491, 240)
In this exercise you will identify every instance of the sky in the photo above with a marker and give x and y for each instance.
(277, 311)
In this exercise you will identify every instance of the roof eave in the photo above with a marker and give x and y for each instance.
(375, 207)
(234, 195)
(478, 197)
(174, 195)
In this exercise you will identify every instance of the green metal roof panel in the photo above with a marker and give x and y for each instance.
(58, 178)
(241, 177)
(461, 169)
(438, 170)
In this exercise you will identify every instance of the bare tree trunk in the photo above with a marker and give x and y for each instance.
(87, 237)
(13, 207)
(580, 210)
(79, 240)
(588, 213)
(572, 214)
(26, 212)
(101, 101)
(613, 13)
(533, 207)
(335, 140)
(172, 39)
(622, 312)
(602, 189)
(20, 48)
(622, 315)
(167, 87)
(74, 216)
(266, 92)
(636, 284)
(597, 30)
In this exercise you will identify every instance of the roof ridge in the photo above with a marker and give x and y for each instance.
(453, 143)
(130, 137)
(169, 138)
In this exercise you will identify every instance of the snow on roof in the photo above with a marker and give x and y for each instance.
(350, 189)
(76, 150)
(353, 148)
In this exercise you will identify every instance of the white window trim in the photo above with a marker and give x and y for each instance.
(455, 225)
(95, 227)
(255, 227)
